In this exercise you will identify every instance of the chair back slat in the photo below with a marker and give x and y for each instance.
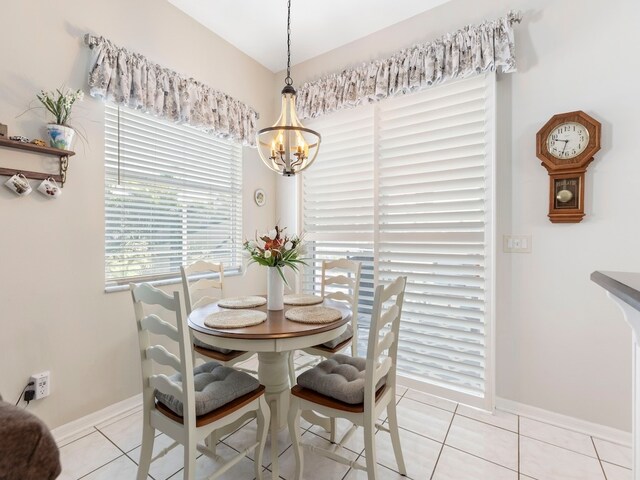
(388, 317)
(340, 280)
(340, 263)
(161, 355)
(154, 324)
(378, 363)
(340, 296)
(202, 301)
(382, 369)
(145, 293)
(202, 266)
(351, 282)
(201, 291)
(206, 284)
(385, 343)
(162, 383)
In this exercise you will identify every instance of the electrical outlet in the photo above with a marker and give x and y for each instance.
(41, 384)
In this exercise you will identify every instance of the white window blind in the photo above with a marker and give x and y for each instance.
(173, 195)
(338, 209)
(430, 177)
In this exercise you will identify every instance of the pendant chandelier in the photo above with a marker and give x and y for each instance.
(288, 147)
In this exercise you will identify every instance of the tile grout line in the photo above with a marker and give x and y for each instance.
(599, 460)
(482, 458)
(96, 430)
(490, 424)
(558, 446)
(431, 405)
(102, 466)
(435, 465)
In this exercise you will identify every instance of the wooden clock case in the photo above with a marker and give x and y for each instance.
(570, 169)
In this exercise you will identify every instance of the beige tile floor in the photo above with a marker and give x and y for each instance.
(441, 440)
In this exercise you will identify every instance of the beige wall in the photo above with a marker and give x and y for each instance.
(54, 314)
(561, 345)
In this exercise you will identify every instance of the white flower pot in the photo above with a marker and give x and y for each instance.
(60, 136)
(275, 289)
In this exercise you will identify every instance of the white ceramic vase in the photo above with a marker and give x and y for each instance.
(275, 289)
(60, 136)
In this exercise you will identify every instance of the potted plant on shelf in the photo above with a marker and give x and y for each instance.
(60, 104)
(275, 250)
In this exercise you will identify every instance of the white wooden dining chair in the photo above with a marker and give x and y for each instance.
(201, 291)
(192, 404)
(347, 280)
(329, 390)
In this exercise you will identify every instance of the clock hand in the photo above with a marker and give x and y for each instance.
(565, 146)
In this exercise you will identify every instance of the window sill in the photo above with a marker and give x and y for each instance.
(167, 281)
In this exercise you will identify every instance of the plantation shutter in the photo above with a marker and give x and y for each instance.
(431, 213)
(174, 196)
(338, 210)
(434, 154)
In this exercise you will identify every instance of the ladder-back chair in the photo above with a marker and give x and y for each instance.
(345, 274)
(202, 291)
(348, 397)
(192, 404)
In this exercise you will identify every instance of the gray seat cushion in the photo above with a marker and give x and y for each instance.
(215, 386)
(340, 377)
(199, 343)
(346, 335)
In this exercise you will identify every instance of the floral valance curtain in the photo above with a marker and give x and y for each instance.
(130, 79)
(471, 50)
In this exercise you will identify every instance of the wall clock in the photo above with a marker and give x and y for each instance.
(566, 145)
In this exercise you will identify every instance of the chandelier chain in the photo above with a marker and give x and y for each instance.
(288, 80)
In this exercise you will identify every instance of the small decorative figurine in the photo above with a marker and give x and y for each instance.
(38, 142)
(19, 138)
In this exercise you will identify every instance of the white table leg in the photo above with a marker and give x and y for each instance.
(273, 373)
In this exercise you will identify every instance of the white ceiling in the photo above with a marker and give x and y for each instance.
(259, 27)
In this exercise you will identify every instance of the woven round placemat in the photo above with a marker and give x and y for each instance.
(302, 299)
(313, 314)
(242, 302)
(235, 318)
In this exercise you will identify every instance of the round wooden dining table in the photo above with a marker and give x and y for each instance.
(273, 340)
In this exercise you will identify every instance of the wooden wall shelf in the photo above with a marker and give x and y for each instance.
(63, 157)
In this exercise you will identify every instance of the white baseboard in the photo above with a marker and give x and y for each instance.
(83, 426)
(564, 421)
(78, 428)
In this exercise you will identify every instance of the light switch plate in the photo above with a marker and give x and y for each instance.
(516, 244)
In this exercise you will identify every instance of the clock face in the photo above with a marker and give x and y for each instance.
(568, 140)
(566, 193)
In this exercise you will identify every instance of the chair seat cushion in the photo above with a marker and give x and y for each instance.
(340, 377)
(346, 335)
(200, 343)
(215, 385)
